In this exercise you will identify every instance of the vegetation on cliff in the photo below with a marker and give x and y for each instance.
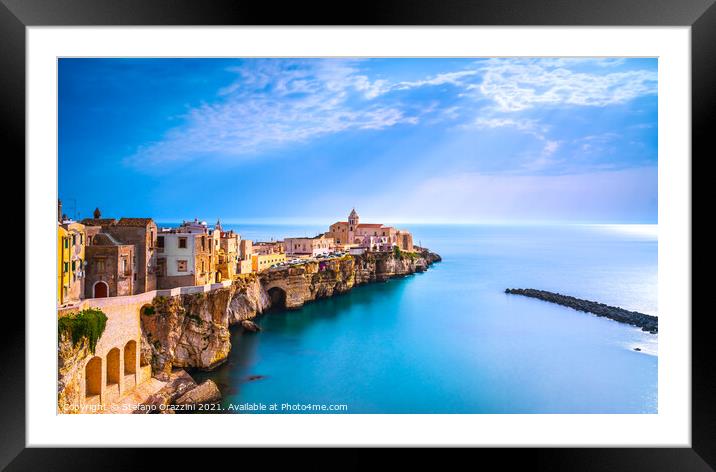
(400, 255)
(89, 323)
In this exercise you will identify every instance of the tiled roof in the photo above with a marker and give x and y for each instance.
(134, 221)
(99, 221)
(370, 225)
(104, 239)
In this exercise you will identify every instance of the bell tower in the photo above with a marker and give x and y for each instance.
(353, 220)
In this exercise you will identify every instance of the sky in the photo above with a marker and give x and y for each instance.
(453, 140)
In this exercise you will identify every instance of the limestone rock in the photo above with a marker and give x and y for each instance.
(178, 383)
(248, 300)
(145, 351)
(189, 330)
(207, 392)
(70, 363)
(250, 326)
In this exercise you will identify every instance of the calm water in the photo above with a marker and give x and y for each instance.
(450, 341)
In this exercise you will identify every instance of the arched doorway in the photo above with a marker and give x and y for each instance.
(93, 377)
(101, 290)
(130, 357)
(113, 367)
(130, 365)
(277, 296)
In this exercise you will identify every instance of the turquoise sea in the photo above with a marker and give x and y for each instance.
(451, 341)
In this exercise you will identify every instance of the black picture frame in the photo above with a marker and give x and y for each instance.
(700, 15)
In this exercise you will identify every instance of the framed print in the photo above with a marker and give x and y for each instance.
(423, 226)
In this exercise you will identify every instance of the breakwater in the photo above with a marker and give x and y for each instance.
(645, 322)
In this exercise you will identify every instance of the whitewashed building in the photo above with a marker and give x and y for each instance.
(309, 246)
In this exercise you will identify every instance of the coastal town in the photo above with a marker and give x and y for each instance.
(138, 303)
(113, 257)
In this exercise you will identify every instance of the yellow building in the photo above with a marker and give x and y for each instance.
(63, 264)
(71, 240)
(260, 262)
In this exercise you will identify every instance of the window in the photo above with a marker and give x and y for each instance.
(181, 266)
(202, 266)
(182, 243)
(73, 266)
(65, 267)
(66, 243)
(160, 241)
(123, 265)
(100, 265)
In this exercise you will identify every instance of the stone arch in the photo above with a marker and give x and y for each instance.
(100, 290)
(130, 357)
(93, 377)
(277, 295)
(113, 367)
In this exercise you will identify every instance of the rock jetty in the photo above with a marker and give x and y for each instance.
(645, 322)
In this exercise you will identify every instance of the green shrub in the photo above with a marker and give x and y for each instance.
(88, 323)
(400, 254)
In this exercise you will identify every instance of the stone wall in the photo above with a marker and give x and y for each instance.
(118, 282)
(121, 330)
(144, 239)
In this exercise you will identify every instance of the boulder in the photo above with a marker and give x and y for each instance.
(177, 384)
(250, 326)
(206, 392)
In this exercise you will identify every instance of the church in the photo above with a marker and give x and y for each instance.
(373, 236)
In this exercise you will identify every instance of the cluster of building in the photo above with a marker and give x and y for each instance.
(107, 257)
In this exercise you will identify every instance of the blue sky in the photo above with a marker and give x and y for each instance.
(402, 140)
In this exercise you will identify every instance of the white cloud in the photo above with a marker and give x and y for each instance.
(273, 103)
(550, 147)
(454, 78)
(371, 89)
(528, 126)
(278, 102)
(519, 85)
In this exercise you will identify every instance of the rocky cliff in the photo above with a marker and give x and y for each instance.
(71, 358)
(193, 330)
